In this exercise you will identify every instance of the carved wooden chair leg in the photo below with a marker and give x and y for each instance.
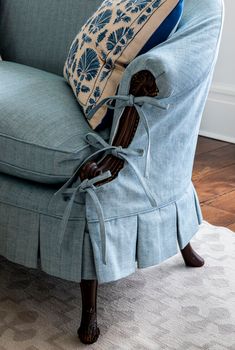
(191, 258)
(88, 332)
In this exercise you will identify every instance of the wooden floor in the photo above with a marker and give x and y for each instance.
(214, 180)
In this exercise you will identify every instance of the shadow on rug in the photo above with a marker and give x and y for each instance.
(166, 307)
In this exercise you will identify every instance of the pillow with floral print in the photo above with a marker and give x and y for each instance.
(116, 33)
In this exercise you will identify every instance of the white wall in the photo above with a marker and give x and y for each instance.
(219, 117)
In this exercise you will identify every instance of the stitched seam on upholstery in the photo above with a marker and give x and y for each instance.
(40, 146)
(145, 210)
(149, 59)
(35, 172)
(198, 82)
(106, 220)
(41, 212)
(135, 213)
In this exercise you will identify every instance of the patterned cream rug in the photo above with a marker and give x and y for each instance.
(162, 307)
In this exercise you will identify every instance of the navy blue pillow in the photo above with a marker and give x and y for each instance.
(168, 26)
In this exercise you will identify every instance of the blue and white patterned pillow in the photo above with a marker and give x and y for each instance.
(116, 33)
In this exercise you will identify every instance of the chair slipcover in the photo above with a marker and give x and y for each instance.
(151, 207)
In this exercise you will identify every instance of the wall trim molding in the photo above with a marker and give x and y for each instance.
(223, 89)
(218, 120)
(220, 137)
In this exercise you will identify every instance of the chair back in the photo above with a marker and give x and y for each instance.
(39, 33)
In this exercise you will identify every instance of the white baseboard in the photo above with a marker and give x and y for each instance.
(218, 120)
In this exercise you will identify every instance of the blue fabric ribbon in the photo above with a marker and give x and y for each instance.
(124, 153)
(86, 186)
(71, 188)
(137, 102)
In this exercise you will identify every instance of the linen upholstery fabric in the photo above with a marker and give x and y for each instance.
(30, 222)
(174, 62)
(41, 125)
(38, 33)
(183, 80)
(107, 42)
(138, 234)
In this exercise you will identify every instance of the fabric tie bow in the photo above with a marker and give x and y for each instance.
(71, 188)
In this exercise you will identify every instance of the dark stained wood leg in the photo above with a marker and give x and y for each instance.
(191, 258)
(88, 332)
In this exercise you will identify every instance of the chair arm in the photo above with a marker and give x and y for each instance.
(142, 84)
(175, 65)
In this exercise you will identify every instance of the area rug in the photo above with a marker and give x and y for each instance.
(163, 307)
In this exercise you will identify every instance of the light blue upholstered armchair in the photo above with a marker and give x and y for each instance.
(94, 217)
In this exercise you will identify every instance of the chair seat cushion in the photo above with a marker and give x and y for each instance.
(41, 124)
